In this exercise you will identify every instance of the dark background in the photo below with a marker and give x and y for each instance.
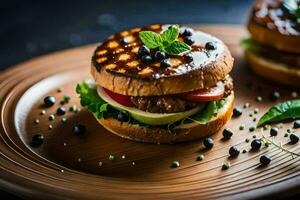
(34, 27)
(29, 28)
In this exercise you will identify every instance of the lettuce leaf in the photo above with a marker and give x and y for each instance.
(249, 44)
(90, 99)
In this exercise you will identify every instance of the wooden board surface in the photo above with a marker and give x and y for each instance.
(67, 166)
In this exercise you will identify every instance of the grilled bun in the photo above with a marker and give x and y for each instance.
(274, 71)
(273, 38)
(117, 67)
(159, 135)
(272, 29)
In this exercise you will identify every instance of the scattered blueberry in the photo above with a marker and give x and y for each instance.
(234, 152)
(189, 58)
(51, 117)
(210, 46)
(159, 55)
(294, 138)
(265, 160)
(200, 157)
(237, 112)
(274, 96)
(125, 40)
(208, 143)
(189, 40)
(61, 111)
(37, 140)
(227, 133)
(165, 63)
(175, 164)
(187, 32)
(143, 50)
(256, 144)
(274, 131)
(79, 129)
(49, 101)
(146, 59)
(122, 117)
(296, 124)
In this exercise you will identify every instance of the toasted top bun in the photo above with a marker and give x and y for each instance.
(270, 24)
(117, 67)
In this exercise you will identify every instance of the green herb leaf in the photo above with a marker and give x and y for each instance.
(207, 114)
(177, 48)
(171, 34)
(151, 39)
(90, 99)
(166, 42)
(282, 111)
(293, 7)
(248, 44)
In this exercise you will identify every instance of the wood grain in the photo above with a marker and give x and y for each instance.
(67, 166)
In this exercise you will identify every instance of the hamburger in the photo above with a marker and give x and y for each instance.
(273, 51)
(160, 84)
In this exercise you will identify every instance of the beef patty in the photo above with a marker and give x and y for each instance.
(171, 103)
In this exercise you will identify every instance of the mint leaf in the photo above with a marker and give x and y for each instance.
(166, 42)
(177, 47)
(151, 39)
(282, 111)
(171, 34)
(293, 7)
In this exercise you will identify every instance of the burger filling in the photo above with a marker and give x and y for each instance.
(290, 59)
(165, 111)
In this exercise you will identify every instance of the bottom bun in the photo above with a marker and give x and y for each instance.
(272, 70)
(159, 135)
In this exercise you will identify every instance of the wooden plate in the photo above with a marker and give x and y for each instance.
(70, 167)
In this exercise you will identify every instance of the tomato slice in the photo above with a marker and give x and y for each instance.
(210, 94)
(121, 99)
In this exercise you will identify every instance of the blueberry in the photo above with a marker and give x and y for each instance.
(265, 160)
(165, 63)
(210, 46)
(227, 133)
(79, 129)
(237, 112)
(37, 140)
(159, 55)
(125, 40)
(187, 32)
(122, 117)
(146, 59)
(256, 144)
(234, 152)
(143, 50)
(296, 124)
(274, 96)
(61, 111)
(189, 58)
(208, 143)
(49, 101)
(274, 131)
(294, 138)
(189, 40)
